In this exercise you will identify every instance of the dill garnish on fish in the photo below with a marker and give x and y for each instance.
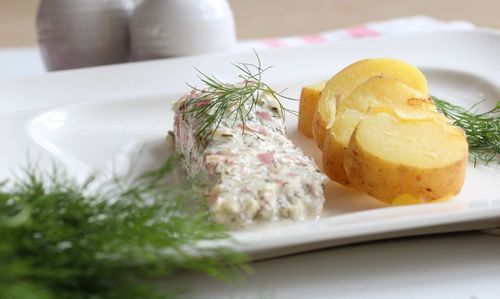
(218, 100)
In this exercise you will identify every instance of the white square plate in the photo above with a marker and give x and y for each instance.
(101, 118)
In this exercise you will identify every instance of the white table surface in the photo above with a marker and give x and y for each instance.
(458, 266)
(465, 265)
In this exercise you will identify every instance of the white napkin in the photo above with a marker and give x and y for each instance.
(400, 26)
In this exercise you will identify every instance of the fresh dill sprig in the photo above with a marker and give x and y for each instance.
(218, 100)
(60, 239)
(482, 129)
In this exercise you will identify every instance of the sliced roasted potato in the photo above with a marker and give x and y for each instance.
(377, 91)
(345, 81)
(385, 91)
(406, 157)
(309, 98)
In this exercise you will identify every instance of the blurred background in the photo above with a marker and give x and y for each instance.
(267, 18)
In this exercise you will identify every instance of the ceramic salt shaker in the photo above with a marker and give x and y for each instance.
(83, 33)
(168, 28)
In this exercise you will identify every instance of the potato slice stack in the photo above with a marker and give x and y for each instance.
(380, 133)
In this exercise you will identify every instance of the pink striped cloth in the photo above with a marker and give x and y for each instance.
(398, 26)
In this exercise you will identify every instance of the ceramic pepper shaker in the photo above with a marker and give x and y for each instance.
(168, 28)
(83, 33)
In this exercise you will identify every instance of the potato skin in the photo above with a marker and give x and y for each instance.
(319, 130)
(333, 160)
(309, 98)
(387, 181)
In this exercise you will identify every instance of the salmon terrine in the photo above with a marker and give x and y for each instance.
(255, 174)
